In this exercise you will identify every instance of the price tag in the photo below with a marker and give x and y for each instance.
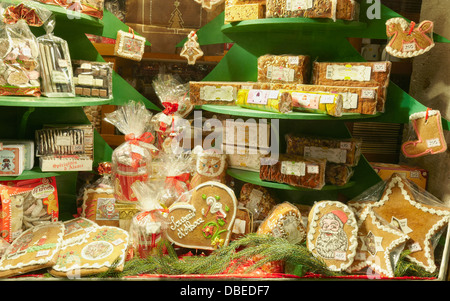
(409, 47)
(433, 142)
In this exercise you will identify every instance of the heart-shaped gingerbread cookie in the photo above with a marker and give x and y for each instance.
(206, 220)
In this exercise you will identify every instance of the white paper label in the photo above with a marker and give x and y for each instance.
(293, 168)
(433, 142)
(63, 140)
(224, 93)
(350, 100)
(86, 66)
(313, 169)
(409, 47)
(293, 60)
(348, 72)
(298, 4)
(261, 96)
(85, 80)
(42, 253)
(280, 73)
(340, 256)
(379, 67)
(368, 93)
(334, 155)
(239, 226)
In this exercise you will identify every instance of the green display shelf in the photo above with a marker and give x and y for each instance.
(34, 173)
(244, 112)
(19, 101)
(253, 178)
(294, 25)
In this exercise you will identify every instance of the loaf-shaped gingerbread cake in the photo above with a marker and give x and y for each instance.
(216, 92)
(357, 74)
(239, 10)
(303, 9)
(284, 68)
(276, 101)
(294, 170)
(334, 150)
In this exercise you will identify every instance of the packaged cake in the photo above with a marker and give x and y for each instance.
(303, 9)
(240, 10)
(334, 150)
(284, 68)
(276, 101)
(294, 170)
(93, 79)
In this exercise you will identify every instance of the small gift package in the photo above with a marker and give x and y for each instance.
(99, 201)
(93, 79)
(132, 159)
(177, 172)
(93, 8)
(55, 64)
(19, 49)
(173, 92)
(129, 45)
(148, 225)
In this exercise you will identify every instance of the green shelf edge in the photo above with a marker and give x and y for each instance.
(18, 101)
(244, 112)
(253, 178)
(294, 24)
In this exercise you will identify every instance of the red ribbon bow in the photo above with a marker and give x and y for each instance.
(146, 137)
(170, 107)
(176, 182)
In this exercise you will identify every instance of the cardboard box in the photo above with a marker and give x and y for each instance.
(417, 175)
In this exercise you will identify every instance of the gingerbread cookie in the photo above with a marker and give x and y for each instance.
(206, 220)
(379, 244)
(36, 248)
(429, 135)
(416, 215)
(101, 249)
(76, 230)
(285, 221)
(210, 166)
(406, 40)
(257, 199)
(332, 234)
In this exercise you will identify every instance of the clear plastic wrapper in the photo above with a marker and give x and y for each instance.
(284, 68)
(93, 8)
(27, 11)
(171, 91)
(99, 201)
(19, 60)
(257, 199)
(176, 170)
(412, 210)
(304, 9)
(132, 159)
(294, 170)
(93, 79)
(56, 65)
(59, 141)
(129, 45)
(148, 226)
(318, 102)
(334, 150)
(265, 100)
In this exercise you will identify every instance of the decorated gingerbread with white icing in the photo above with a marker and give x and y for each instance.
(332, 234)
(36, 248)
(416, 215)
(206, 220)
(379, 244)
(99, 251)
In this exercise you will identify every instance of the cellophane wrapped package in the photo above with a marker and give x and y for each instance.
(148, 226)
(19, 49)
(132, 159)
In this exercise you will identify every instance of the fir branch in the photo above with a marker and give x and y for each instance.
(405, 267)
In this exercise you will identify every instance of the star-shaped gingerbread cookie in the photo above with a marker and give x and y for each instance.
(418, 215)
(378, 240)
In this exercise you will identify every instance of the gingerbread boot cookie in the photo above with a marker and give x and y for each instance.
(430, 139)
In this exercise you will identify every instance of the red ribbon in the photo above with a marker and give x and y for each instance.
(176, 182)
(146, 137)
(170, 107)
(411, 28)
(426, 114)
